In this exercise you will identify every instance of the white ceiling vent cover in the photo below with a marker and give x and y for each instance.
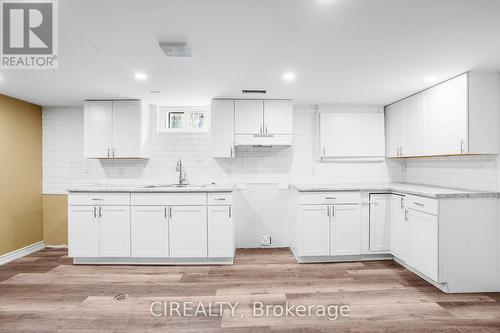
(175, 49)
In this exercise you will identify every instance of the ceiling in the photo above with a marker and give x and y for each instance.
(342, 51)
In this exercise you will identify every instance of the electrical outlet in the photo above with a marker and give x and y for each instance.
(265, 240)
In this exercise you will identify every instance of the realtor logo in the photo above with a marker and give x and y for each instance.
(29, 34)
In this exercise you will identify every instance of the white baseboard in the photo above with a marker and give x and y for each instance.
(48, 246)
(8, 257)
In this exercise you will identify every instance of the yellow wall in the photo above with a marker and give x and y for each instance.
(21, 221)
(55, 219)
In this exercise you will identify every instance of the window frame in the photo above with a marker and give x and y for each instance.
(164, 116)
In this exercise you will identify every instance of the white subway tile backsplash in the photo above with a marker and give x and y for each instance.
(64, 165)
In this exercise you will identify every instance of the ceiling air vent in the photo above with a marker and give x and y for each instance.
(175, 49)
(253, 91)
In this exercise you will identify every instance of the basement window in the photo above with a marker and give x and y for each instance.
(183, 119)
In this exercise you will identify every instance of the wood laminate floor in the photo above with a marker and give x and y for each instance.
(44, 292)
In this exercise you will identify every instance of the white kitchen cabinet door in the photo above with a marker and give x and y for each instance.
(114, 231)
(188, 231)
(380, 222)
(356, 134)
(345, 231)
(149, 231)
(83, 231)
(423, 243)
(394, 122)
(220, 232)
(445, 117)
(98, 129)
(248, 116)
(222, 129)
(127, 122)
(278, 117)
(400, 229)
(412, 142)
(314, 230)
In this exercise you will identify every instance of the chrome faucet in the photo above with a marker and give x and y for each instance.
(182, 172)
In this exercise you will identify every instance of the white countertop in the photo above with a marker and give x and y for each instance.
(145, 189)
(407, 188)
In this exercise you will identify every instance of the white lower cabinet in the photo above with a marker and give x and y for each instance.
(329, 230)
(149, 231)
(423, 245)
(220, 231)
(83, 231)
(400, 228)
(380, 222)
(188, 231)
(114, 231)
(314, 230)
(151, 227)
(345, 230)
(99, 231)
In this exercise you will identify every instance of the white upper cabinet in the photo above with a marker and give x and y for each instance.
(127, 129)
(249, 122)
(98, 129)
(413, 123)
(456, 117)
(394, 129)
(352, 131)
(222, 128)
(278, 117)
(248, 116)
(115, 129)
(445, 117)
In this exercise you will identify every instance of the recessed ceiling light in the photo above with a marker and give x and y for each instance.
(139, 76)
(430, 79)
(289, 76)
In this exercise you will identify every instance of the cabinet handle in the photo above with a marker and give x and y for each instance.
(330, 198)
(402, 203)
(95, 212)
(113, 152)
(220, 199)
(406, 215)
(333, 210)
(419, 204)
(260, 128)
(462, 148)
(108, 152)
(165, 212)
(266, 128)
(170, 212)
(230, 212)
(328, 211)
(100, 211)
(231, 153)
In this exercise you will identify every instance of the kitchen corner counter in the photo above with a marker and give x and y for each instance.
(407, 188)
(212, 188)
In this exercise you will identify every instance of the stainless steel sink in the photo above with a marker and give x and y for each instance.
(175, 185)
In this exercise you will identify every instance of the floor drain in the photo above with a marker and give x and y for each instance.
(121, 297)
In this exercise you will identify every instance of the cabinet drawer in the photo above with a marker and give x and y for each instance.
(220, 199)
(426, 205)
(168, 199)
(328, 198)
(99, 199)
